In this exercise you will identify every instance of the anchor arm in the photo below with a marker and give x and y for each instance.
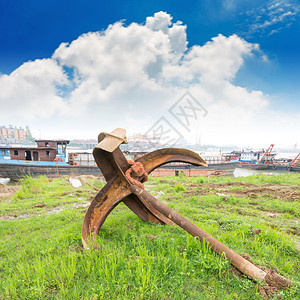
(160, 157)
(105, 201)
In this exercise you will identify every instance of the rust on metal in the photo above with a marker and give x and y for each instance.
(136, 174)
(124, 184)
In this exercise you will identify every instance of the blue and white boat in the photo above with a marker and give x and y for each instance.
(48, 158)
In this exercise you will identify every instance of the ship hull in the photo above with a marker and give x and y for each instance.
(16, 172)
(271, 167)
(254, 166)
(224, 169)
(285, 168)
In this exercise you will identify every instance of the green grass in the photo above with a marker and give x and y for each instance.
(41, 255)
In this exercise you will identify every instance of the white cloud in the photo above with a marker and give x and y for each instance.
(30, 90)
(160, 21)
(128, 76)
(271, 17)
(219, 59)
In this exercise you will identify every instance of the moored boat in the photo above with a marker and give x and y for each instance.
(48, 158)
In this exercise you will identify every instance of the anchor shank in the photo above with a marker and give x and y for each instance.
(235, 259)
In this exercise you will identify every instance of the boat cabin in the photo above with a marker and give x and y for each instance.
(251, 157)
(46, 150)
(255, 156)
(4, 152)
(233, 156)
(59, 145)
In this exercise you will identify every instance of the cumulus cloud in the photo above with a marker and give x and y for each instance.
(128, 76)
(31, 91)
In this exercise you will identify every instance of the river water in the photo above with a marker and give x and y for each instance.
(239, 172)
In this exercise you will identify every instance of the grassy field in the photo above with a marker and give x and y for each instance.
(41, 255)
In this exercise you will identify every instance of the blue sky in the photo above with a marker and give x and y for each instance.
(31, 30)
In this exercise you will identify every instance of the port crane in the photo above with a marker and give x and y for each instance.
(295, 162)
(266, 155)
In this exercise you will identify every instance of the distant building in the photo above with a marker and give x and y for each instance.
(14, 135)
(142, 142)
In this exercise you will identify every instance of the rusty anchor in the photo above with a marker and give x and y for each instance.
(121, 187)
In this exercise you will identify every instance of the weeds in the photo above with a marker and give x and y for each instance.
(31, 186)
(180, 188)
(41, 255)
